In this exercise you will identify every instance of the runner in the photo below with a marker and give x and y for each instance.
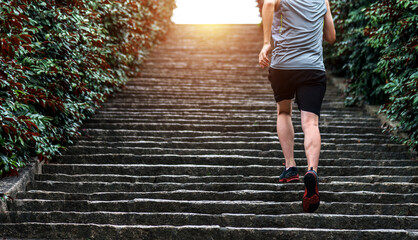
(298, 28)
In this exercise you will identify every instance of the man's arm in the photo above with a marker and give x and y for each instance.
(329, 29)
(268, 14)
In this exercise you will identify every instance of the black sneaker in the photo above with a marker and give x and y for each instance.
(289, 175)
(310, 200)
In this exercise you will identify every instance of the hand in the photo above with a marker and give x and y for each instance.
(263, 59)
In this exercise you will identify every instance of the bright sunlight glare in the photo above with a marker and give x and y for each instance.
(216, 12)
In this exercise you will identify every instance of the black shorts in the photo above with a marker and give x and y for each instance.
(309, 86)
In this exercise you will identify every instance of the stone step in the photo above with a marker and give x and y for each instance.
(228, 73)
(261, 79)
(224, 92)
(220, 50)
(212, 207)
(207, 58)
(243, 84)
(213, 179)
(127, 138)
(214, 170)
(330, 97)
(228, 128)
(198, 65)
(208, 73)
(108, 231)
(135, 93)
(203, 107)
(219, 112)
(255, 106)
(240, 92)
(214, 47)
(263, 98)
(208, 119)
(89, 187)
(334, 153)
(176, 103)
(249, 195)
(332, 221)
(264, 146)
(176, 98)
(109, 120)
(215, 117)
(208, 134)
(210, 59)
(215, 160)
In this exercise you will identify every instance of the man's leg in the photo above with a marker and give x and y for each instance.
(312, 138)
(312, 142)
(285, 131)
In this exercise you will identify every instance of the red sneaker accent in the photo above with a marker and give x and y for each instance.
(290, 179)
(310, 202)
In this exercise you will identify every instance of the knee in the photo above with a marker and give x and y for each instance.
(309, 125)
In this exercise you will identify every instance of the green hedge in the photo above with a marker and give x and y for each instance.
(376, 49)
(59, 60)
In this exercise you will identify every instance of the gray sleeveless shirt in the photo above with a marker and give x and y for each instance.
(297, 33)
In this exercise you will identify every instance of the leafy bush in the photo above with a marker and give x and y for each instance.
(351, 56)
(59, 60)
(392, 29)
(377, 50)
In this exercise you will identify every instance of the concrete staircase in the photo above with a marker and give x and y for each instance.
(189, 151)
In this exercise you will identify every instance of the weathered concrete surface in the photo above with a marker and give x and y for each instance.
(10, 186)
(189, 151)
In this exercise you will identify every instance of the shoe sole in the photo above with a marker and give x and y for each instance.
(310, 204)
(291, 179)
